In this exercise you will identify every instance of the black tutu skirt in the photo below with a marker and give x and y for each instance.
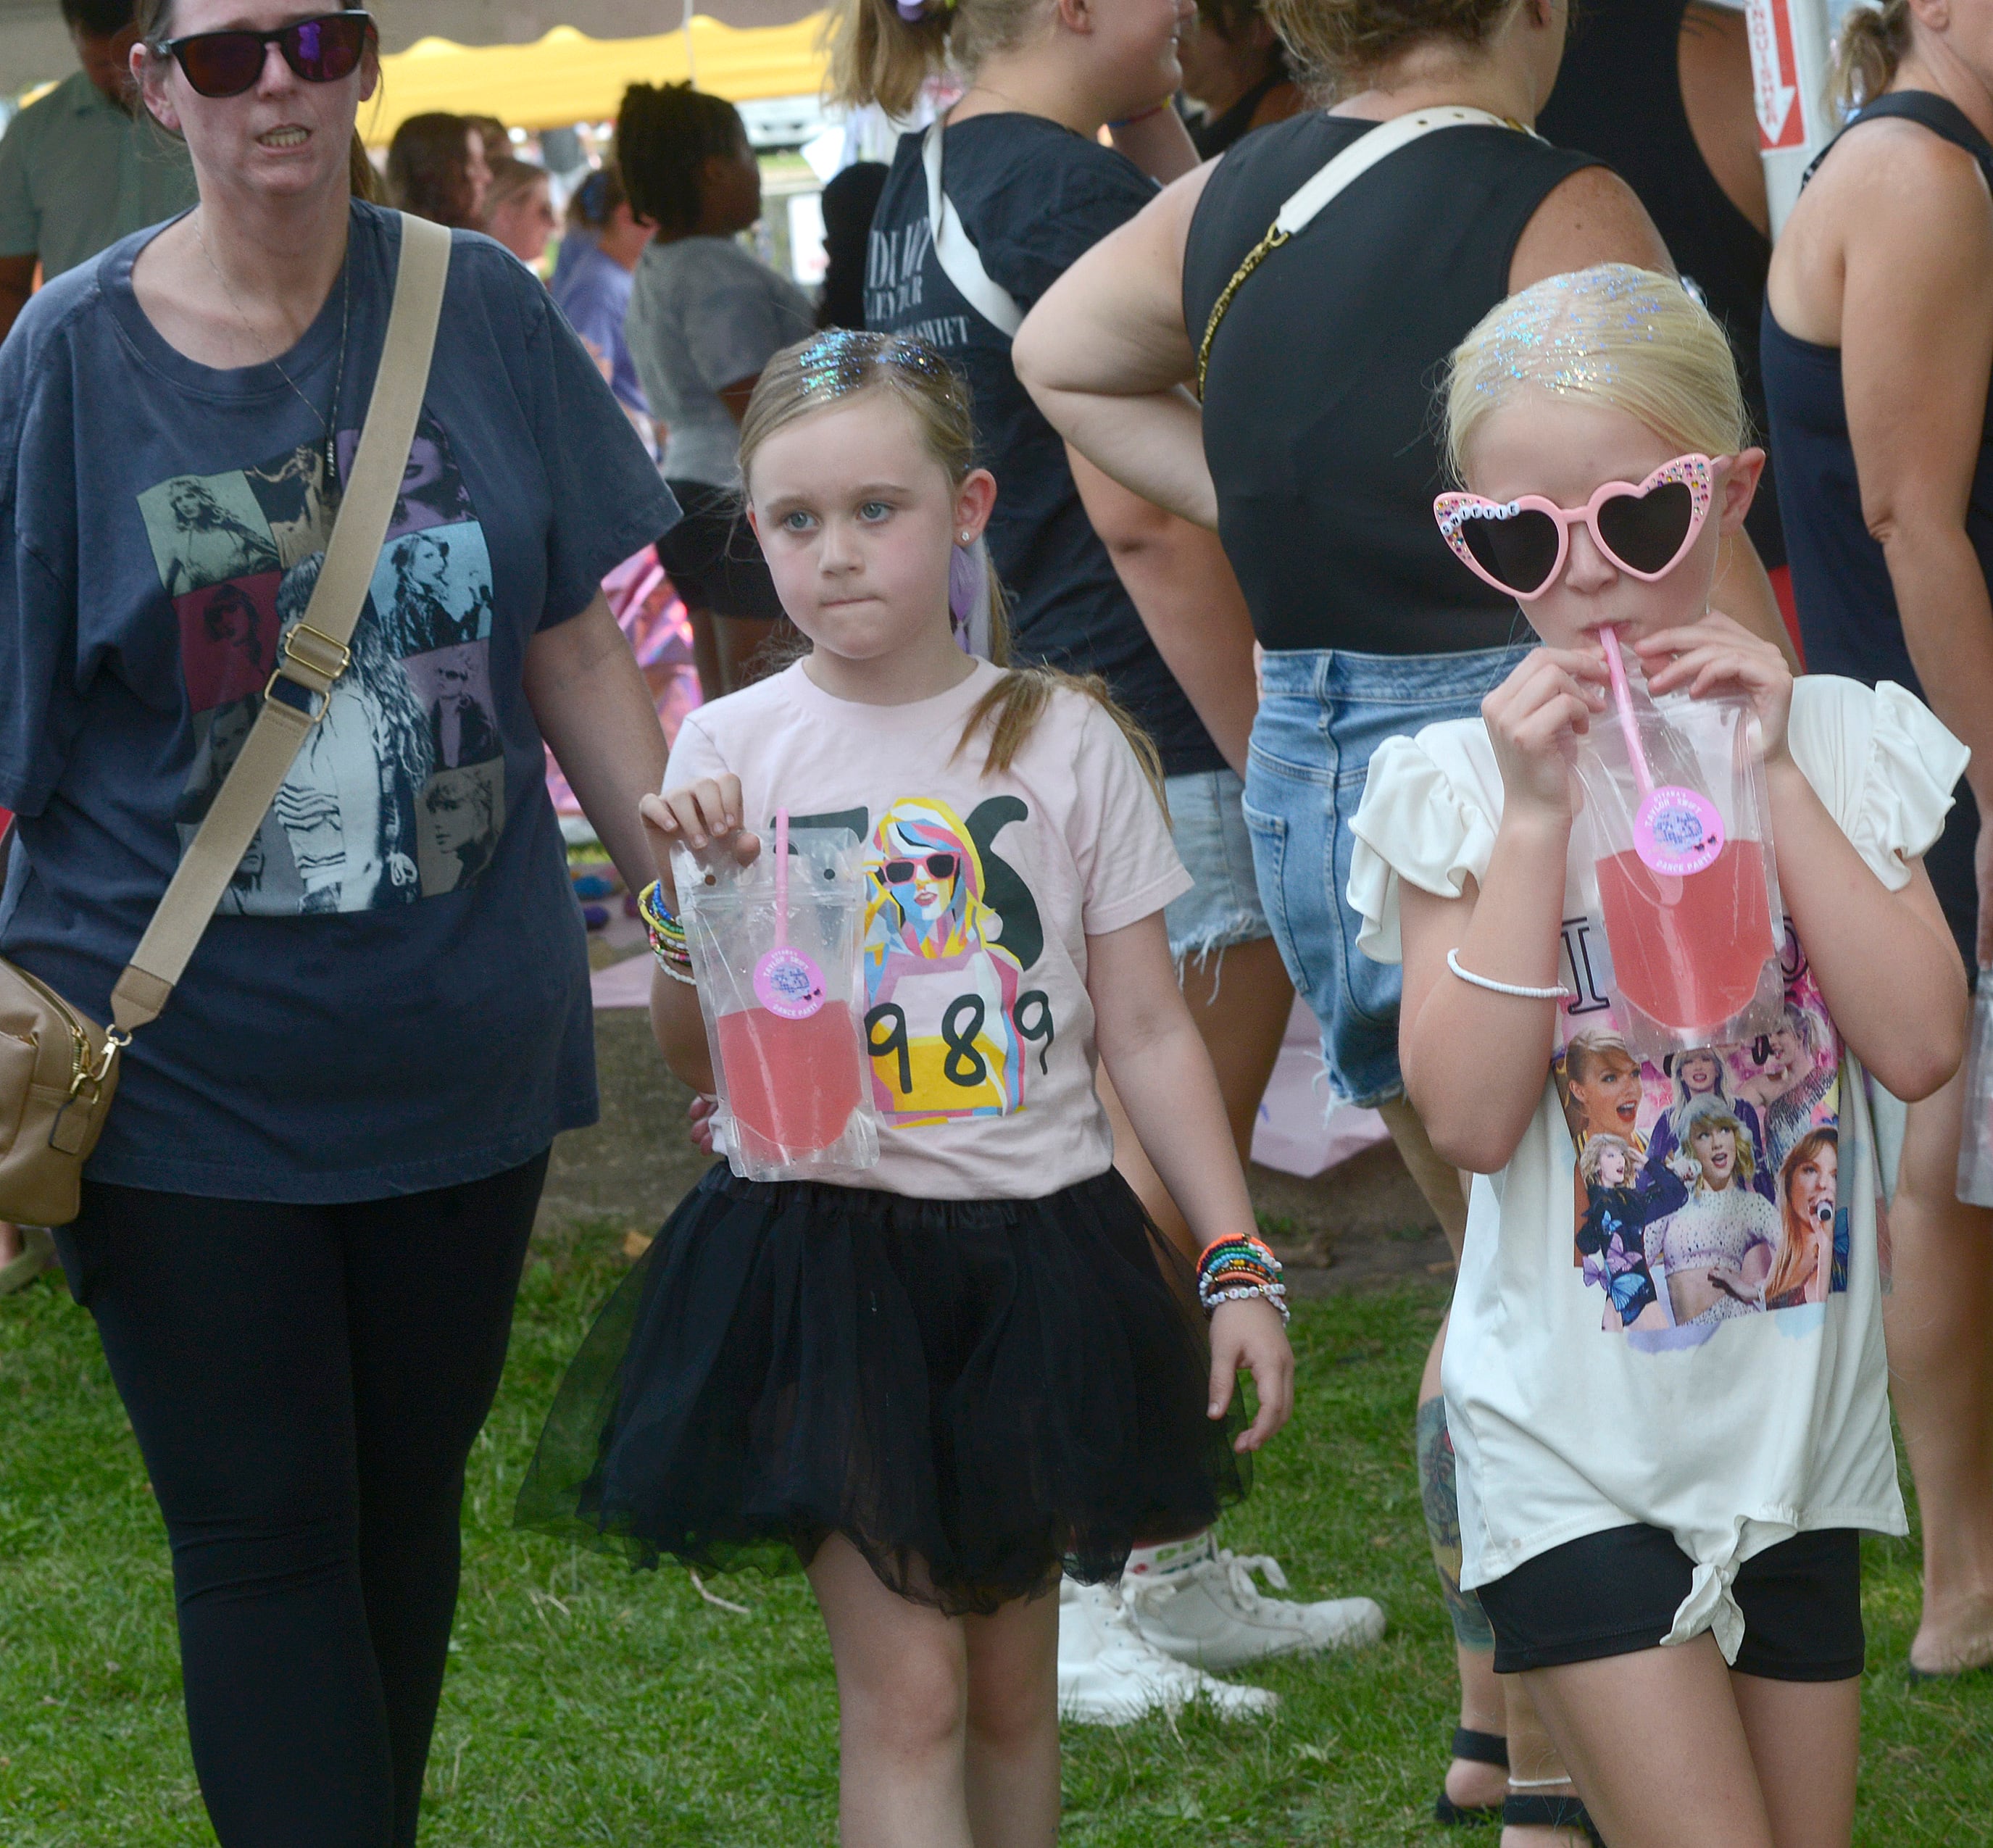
(973, 1393)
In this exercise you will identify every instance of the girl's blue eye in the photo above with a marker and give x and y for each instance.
(873, 510)
(797, 521)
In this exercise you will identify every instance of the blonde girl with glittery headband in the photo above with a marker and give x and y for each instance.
(932, 1383)
(1659, 1515)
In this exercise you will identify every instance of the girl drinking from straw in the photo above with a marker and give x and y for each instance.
(1661, 1522)
(931, 1388)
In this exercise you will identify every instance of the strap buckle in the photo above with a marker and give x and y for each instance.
(313, 662)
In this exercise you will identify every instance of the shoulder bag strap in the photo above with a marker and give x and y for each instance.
(957, 255)
(1352, 164)
(315, 652)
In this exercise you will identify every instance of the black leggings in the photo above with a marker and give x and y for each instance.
(305, 1383)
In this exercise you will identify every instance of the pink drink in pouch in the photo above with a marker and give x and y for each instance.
(1687, 949)
(792, 1083)
(1678, 824)
(775, 946)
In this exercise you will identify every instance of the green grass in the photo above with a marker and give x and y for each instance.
(586, 1704)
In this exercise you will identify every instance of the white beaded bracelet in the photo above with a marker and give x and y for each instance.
(676, 974)
(1505, 988)
(1273, 1293)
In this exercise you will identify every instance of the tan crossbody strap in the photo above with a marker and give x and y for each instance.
(1326, 182)
(315, 652)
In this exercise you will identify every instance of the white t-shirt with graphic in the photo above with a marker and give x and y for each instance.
(982, 891)
(1669, 1309)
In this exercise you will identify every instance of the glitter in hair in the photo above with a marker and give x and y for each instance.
(1614, 335)
(841, 360)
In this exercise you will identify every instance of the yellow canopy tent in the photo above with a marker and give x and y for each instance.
(565, 77)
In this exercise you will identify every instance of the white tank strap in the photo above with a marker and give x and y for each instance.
(1365, 152)
(957, 255)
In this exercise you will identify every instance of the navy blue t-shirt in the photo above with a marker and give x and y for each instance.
(394, 995)
(1033, 197)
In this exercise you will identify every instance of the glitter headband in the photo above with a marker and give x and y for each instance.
(835, 363)
(1548, 335)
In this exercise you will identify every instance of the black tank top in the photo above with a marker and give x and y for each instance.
(1619, 96)
(1320, 422)
(1847, 611)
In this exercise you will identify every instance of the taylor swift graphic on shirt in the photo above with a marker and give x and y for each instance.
(953, 1024)
(1706, 1188)
(398, 792)
(941, 986)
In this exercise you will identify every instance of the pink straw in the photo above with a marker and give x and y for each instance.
(1623, 698)
(782, 879)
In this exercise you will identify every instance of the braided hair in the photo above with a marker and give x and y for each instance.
(664, 135)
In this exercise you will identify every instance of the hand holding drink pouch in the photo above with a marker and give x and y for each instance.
(775, 946)
(1678, 822)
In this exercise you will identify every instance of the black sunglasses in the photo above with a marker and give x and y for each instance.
(900, 872)
(321, 50)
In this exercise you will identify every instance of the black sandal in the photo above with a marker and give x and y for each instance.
(1528, 1812)
(1477, 1748)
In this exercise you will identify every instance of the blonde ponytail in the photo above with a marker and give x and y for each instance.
(1011, 710)
(878, 55)
(1874, 39)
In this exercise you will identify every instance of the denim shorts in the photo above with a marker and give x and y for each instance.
(1323, 714)
(1208, 822)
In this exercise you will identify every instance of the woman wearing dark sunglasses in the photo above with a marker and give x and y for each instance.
(1314, 350)
(301, 1233)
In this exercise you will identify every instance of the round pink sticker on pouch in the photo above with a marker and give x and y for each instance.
(788, 984)
(1677, 831)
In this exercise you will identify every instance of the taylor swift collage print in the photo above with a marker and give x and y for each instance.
(1706, 1186)
(398, 792)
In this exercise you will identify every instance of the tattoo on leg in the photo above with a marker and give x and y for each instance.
(1441, 1499)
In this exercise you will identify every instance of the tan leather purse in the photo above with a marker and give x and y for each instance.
(58, 1067)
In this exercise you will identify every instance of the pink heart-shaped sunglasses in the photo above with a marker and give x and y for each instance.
(1519, 546)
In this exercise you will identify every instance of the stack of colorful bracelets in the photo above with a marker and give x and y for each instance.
(1239, 1266)
(667, 935)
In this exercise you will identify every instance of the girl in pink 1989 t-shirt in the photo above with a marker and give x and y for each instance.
(933, 1388)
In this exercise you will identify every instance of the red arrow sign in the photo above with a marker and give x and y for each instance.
(1775, 75)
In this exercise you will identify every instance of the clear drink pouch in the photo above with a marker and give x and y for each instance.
(1677, 820)
(1975, 1147)
(775, 947)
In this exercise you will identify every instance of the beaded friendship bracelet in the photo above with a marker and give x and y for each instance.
(1238, 1266)
(1559, 993)
(667, 935)
(1275, 1293)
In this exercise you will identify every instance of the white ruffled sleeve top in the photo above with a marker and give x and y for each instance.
(1669, 1309)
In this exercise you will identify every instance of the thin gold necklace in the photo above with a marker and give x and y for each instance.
(338, 378)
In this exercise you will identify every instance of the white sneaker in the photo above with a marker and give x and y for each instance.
(1109, 1676)
(1206, 1610)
